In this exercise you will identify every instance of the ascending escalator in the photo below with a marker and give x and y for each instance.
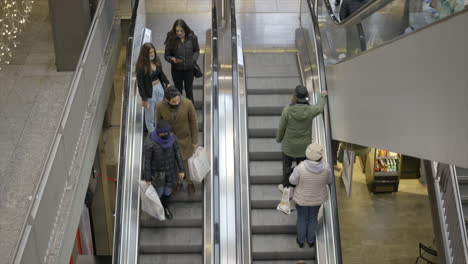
(180, 240)
(270, 79)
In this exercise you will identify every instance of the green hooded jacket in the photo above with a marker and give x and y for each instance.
(295, 127)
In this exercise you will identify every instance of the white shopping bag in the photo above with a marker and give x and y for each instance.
(285, 205)
(150, 202)
(199, 165)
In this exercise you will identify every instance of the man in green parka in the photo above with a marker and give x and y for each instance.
(295, 129)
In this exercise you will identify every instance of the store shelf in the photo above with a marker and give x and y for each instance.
(387, 157)
(386, 173)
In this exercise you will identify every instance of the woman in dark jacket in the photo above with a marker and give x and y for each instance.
(182, 52)
(163, 162)
(151, 82)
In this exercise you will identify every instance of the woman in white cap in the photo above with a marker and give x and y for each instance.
(311, 178)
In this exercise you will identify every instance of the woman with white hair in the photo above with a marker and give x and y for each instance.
(311, 178)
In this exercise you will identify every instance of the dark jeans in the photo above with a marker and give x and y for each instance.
(183, 80)
(287, 165)
(306, 223)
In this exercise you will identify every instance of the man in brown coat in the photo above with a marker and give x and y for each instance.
(180, 113)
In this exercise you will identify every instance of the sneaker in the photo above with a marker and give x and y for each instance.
(301, 245)
(311, 244)
(168, 213)
(191, 188)
(280, 187)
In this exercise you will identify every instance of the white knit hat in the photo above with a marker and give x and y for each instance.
(314, 151)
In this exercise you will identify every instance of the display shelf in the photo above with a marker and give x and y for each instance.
(378, 180)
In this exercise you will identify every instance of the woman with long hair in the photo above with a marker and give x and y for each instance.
(182, 51)
(151, 82)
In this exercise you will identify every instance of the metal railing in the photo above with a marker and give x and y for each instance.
(450, 215)
(127, 213)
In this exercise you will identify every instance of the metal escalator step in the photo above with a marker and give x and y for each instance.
(265, 172)
(266, 149)
(171, 240)
(185, 215)
(462, 179)
(285, 262)
(271, 64)
(263, 126)
(462, 172)
(183, 195)
(271, 105)
(171, 259)
(264, 196)
(463, 187)
(272, 221)
(269, 85)
(279, 247)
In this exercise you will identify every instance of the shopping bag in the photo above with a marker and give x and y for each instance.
(285, 205)
(199, 165)
(150, 202)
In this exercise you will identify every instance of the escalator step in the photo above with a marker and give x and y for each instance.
(271, 105)
(285, 262)
(265, 172)
(171, 240)
(462, 172)
(272, 221)
(279, 247)
(263, 126)
(185, 215)
(269, 85)
(171, 259)
(264, 196)
(271, 64)
(264, 149)
(183, 195)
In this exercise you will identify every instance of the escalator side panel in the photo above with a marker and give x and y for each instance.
(417, 88)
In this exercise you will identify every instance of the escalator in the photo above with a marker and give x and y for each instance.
(269, 78)
(462, 176)
(180, 240)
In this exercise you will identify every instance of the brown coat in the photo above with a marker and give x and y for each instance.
(184, 124)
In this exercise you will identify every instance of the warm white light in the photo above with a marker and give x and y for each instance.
(14, 17)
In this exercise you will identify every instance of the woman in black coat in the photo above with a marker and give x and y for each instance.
(163, 163)
(151, 81)
(182, 51)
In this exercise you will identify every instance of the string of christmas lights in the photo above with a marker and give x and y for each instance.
(14, 15)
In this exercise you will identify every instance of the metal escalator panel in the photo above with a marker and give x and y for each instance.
(406, 90)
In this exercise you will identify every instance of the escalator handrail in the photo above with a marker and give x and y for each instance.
(123, 138)
(326, 116)
(362, 13)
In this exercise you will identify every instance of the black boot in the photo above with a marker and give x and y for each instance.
(167, 212)
(301, 245)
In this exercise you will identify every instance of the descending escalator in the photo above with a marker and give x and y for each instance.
(270, 79)
(180, 240)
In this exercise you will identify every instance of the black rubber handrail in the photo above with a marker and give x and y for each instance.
(326, 116)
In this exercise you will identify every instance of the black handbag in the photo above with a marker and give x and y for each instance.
(197, 71)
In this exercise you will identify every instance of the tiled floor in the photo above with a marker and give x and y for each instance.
(383, 228)
(32, 95)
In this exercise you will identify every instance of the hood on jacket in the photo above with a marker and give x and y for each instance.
(314, 166)
(300, 112)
